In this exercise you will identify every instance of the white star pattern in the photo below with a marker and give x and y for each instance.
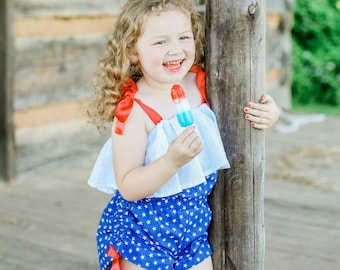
(158, 233)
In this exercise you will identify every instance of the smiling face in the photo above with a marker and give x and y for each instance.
(165, 50)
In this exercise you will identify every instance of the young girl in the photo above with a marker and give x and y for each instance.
(163, 173)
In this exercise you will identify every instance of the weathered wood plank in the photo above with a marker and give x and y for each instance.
(54, 70)
(54, 28)
(7, 144)
(236, 75)
(63, 8)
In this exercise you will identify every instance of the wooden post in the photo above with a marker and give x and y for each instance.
(7, 144)
(235, 65)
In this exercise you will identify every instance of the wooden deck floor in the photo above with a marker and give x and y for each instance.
(48, 217)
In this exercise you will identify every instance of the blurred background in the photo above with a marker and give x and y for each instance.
(48, 214)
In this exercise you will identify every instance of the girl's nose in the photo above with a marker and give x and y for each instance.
(174, 51)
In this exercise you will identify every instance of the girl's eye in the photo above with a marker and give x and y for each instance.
(160, 42)
(185, 37)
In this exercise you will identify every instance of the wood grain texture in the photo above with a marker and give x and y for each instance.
(7, 148)
(236, 75)
(62, 8)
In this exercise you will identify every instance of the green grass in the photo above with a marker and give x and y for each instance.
(316, 109)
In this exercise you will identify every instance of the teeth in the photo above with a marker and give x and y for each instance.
(172, 63)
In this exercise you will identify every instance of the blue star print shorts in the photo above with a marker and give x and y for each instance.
(158, 233)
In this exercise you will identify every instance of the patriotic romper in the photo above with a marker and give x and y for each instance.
(169, 229)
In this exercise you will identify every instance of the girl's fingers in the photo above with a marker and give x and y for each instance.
(264, 114)
(258, 126)
(266, 99)
(190, 140)
(196, 146)
(258, 111)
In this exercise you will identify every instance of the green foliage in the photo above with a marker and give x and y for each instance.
(315, 108)
(316, 52)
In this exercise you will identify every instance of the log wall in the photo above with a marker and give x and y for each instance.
(278, 51)
(57, 45)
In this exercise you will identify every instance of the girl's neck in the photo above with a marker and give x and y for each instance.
(152, 87)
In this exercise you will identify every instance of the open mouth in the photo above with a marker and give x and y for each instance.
(173, 65)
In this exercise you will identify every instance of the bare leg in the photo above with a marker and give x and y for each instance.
(205, 265)
(126, 265)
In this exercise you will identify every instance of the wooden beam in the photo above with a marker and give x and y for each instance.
(7, 143)
(235, 66)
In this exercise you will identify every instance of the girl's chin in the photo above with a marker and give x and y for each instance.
(174, 78)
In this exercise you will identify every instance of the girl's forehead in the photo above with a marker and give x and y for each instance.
(166, 18)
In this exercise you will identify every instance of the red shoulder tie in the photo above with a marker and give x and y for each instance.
(125, 105)
(200, 80)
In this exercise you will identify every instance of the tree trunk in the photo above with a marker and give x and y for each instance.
(235, 67)
(7, 144)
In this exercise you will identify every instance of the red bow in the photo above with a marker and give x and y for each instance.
(125, 105)
(115, 258)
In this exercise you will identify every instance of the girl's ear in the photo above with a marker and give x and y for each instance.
(133, 55)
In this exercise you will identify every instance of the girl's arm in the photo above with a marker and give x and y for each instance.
(262, 115)
(136, 181)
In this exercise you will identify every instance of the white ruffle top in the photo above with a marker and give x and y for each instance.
(211, 159)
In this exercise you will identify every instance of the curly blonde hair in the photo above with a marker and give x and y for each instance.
(114, 68)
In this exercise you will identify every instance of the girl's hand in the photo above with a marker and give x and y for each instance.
(184, 148)
(262, 115)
